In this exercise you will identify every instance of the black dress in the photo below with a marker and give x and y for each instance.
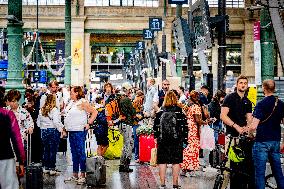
(171, 151)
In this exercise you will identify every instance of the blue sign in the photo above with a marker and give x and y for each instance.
(102, 74)
(36, 75)
(155, 24)
(43, 79)
(60, 50)
(148, 34)
(3, 74)
(178, 2)
(140, 45)
(3, 64)
(43, 73)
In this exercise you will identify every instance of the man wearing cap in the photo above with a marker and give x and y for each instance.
(126, 120)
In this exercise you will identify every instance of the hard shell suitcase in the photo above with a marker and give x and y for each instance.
(146, 143)
(216, 156)
(96, 171)
(95, 167)
(34, 172)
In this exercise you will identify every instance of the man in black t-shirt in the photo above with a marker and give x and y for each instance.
(236, 113)
(267, 116)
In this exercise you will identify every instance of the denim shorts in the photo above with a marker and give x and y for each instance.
(101, 133)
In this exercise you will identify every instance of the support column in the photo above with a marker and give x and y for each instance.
(222, 45)
(67, 78)
(268, 54)
(15, 38)
(78, 51)
(215, 66)
(87, 54)
(248, 49)
(178, 60)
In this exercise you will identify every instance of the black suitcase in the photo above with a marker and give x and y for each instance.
(96, 168)
(34, 172)
(216, 156)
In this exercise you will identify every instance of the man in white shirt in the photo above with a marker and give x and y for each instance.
(151, 91)
(182, 97)
(53, 89)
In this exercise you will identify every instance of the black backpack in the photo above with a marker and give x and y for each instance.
(168, 126)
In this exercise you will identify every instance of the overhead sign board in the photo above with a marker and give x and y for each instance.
(140, 45)
(3, 64)
(155, 24)
(148, 34)
(3, 74)
(178, 2)
(102, 74)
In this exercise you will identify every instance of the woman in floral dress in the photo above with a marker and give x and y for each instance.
(194, 121)
(24, 118)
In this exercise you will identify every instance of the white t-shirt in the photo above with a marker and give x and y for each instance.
(75, 118)
(182, 99)
(53, 120)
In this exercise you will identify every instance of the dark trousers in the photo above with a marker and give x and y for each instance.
(242, 176)
(50, 139)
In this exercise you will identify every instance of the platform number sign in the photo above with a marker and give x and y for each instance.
(178, 2)
(140, 45)
(148, 34)
(155, 24)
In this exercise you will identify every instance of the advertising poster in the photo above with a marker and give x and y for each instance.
(77, 46)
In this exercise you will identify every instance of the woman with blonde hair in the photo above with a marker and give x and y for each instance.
(170, 132)
(49, 121)
(77, 123)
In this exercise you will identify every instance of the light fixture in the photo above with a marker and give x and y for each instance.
(118, 40)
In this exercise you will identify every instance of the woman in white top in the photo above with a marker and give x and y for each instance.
(49, 121)
(77, 123)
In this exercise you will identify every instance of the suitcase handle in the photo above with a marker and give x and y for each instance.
(29, 149)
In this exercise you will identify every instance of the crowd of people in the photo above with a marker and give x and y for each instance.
(175, 115)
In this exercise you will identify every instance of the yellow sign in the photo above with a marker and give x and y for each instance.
(252, 95)
(77, 51)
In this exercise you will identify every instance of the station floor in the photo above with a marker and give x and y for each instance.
(144, 176)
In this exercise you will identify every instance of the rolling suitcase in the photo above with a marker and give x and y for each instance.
(146, 143)
(34, 172)
(95, 169)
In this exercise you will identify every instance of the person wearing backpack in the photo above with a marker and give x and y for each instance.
(170, 132)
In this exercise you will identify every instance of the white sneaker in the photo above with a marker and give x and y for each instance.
(81, 181)
(192, 174)
(53, 173)
(45, 171)
(71, 179)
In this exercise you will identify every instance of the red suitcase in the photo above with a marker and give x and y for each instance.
(146, 143)
(221, 139)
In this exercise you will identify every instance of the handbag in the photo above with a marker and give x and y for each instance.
(153, 160)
